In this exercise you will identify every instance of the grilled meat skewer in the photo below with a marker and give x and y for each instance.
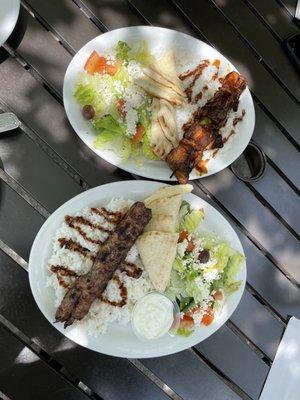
(201, 131)
(112, 253)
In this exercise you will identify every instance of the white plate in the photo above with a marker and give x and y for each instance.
(9, 12)
(157, 38)
(121, 341)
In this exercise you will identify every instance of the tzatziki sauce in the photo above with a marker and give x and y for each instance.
(153, 316)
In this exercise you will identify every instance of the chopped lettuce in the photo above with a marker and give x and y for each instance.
(111, 136)
(122, 50)
(221, 252)
(86, 94)
(121, 145)
(232, 268)
(184, 332)
(108, 123)
(191, 221)
(141, 53)
(146, 148)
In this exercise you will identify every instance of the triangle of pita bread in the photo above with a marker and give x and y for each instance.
(158, 251)
(168, 191)
(164, 214)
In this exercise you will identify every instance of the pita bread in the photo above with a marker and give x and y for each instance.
(152, 73)
(164, 214)
(160, 145)
(158, 251)
(168, 191)
(167, 120)
(157, 90)
(165, 67)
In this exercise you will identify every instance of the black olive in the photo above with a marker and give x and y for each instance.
(203, 256)
(218, 142)
(88, 112)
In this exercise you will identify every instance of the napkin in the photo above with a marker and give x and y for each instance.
(283, 381)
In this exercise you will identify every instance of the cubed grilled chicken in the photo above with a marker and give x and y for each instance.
(201, 131)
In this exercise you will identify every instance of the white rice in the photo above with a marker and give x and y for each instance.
(101, 314)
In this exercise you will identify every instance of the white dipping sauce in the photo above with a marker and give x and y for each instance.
(153, 316)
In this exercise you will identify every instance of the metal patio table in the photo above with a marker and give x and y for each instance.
(44, 163)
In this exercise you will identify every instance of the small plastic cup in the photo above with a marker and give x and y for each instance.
(250, 165)
(174, 326)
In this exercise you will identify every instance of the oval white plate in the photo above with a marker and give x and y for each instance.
(9, 12)
(157, 38)
(120, 341)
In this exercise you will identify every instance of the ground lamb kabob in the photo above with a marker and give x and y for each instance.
(112, 253)
(201, 131)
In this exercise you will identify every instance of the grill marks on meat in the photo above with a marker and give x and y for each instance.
(201, 131)
(112, 253)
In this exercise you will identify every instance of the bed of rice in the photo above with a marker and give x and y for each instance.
(101, 314)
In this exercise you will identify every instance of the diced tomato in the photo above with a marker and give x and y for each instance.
(112, 69)
(121, 107)
(139, 133)
(183, 235)
(190, 246)
(217, 63)
(208, 317)
(218, 295)
(98, 64)
(186, 322)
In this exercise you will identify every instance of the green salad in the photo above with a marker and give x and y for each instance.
(204, 271)
(119, 111)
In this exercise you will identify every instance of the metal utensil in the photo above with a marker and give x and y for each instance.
(8, 121)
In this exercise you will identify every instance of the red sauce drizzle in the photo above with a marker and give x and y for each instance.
(123, 294)
(110, 216)
(131, 270)
(73, 222)
(62, 272)
(196, 72)
(74, 246)
(232, 132)
(238, 119)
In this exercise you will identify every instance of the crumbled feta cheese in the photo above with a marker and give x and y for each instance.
(211, 274)
(133, 99)
(181, 247)
(203, 286)
(131, 120)
(135, 70)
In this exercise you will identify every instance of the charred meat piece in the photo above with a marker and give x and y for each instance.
(201, 131)
(182, 159)
(112, 253)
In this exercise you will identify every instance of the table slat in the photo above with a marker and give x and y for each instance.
(240, 365)
(23, 375)
(113, 14)
(275, 16)
(67, 19)
(263, 42)
(31, 167)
